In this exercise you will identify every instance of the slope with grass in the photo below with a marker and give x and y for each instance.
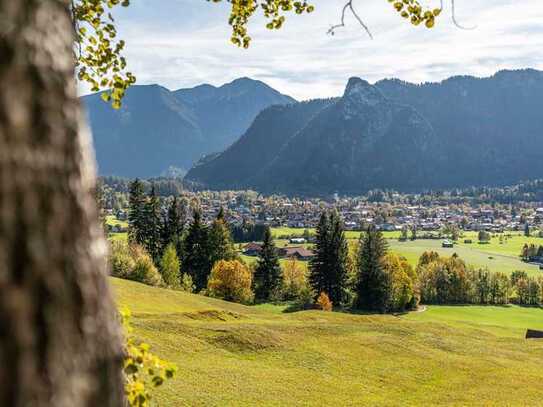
(230, 354)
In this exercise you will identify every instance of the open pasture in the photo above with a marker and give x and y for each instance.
(230, 354)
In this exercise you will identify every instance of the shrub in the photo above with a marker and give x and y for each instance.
(169, 267)
(324, 302)
(305, 298)
(144, 269)
(187, 283)
(230, 281)
(120, 259)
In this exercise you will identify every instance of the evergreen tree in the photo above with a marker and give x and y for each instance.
(268, 276)
(328, 269)
(338, 253)
(153, 226)
(373, 287)
(195, 252)
(173, 225)
(319, 263)
(221, 246)
(136, 213)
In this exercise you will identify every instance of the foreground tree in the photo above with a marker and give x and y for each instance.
(268, 277)
(60, 342)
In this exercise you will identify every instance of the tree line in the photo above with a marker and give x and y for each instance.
(165, 248)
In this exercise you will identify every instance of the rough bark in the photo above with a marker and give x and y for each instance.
(60, 343)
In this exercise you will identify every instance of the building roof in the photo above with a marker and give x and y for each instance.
(300, 251)
(253, 246)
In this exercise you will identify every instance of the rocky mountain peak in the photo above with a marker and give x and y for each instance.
(360, 91)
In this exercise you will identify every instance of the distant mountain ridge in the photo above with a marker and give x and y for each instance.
(157, 130)
(460, 132)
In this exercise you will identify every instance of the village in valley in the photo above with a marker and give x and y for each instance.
(442, 220)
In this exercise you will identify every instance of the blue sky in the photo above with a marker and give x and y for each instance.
(182, 43)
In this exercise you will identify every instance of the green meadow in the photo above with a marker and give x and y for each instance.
(230, 354)
(497, 257)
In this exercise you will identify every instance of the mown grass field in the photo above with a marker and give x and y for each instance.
(230, 354)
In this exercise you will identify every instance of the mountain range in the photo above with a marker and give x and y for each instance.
(158, 130)
(462, 131)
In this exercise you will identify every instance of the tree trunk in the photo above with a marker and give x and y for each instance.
(60, 344)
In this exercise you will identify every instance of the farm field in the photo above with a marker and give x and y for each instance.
(494, 256)
(112, 220)
(230, 354)
(473, 254)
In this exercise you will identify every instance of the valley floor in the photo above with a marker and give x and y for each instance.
(229, 354)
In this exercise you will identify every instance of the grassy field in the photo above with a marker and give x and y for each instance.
(112, 220)
(496, 257)
(229, 354)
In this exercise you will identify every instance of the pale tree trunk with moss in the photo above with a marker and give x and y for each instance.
(60, 343)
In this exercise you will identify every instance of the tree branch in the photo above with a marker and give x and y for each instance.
(349, 6)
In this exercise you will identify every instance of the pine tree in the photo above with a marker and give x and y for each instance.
(338, 253)
(221, 246)
(328, 269)
(373, 287)
(153, 226)
(268, 276)
(173, 225)
(319, 263)
(136, 213)
(195, 252)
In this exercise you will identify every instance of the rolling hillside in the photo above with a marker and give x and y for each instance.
(230, 354)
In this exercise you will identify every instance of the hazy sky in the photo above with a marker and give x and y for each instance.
(182, 43)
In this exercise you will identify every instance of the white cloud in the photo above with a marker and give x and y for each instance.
(183, 43)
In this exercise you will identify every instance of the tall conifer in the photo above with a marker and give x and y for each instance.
(153, 226)
(268, 276)
(338, 252)
(318, 265)
(196, 252)
(136, 213)
(173, 225)
(373, 287)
